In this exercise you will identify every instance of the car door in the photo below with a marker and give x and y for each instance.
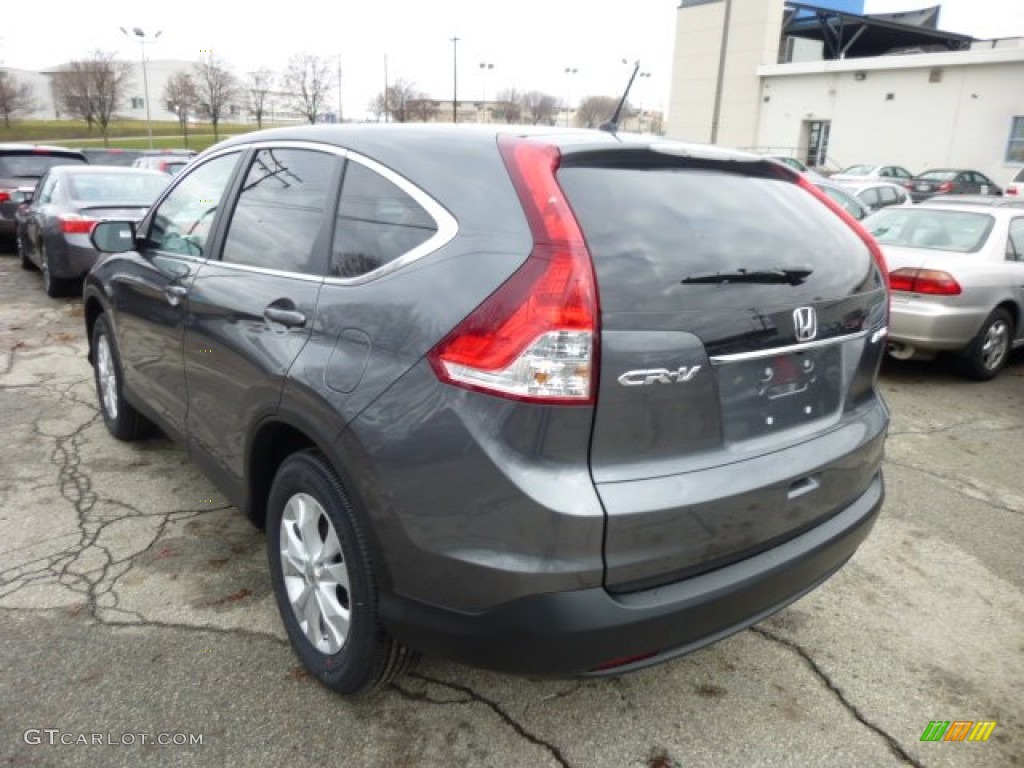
(149, 295)
(251, 310)
(34, 226)
(1015, 262)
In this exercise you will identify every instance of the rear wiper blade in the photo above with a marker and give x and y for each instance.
(766, 276)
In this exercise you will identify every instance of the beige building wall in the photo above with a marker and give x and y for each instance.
(754, 31)
(920, 111)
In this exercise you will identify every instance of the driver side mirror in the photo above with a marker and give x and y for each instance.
(113, 236)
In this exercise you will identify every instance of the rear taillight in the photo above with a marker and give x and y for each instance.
(933, 282)
(535, 338)
(75, 224)
(946, 186)
(5, 197)
(1009, 191)
(863, 234)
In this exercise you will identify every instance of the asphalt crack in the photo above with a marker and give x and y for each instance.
(957, 486)
(469, 696)
(894, 746)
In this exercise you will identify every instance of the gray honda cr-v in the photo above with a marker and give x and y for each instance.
(550, 402)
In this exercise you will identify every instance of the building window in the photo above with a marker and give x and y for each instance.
(1015, 146)
(138, 103)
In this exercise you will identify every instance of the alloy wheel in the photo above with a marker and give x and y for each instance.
(995, 345)
(107, 377)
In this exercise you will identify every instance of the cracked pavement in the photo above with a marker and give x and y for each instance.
(134, 599)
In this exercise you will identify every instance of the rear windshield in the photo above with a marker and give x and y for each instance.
(1019, 176)
(859, 170)
(111, 157)
(942, 230)
(648, 229)
(137, 189)
(938, 175)
(32, 165)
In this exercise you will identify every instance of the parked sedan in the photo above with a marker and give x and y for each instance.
(876, 195)
(54, 226)
(862, 173)
(951, 181)
(1016, 186)
(21, 166)
(843, 198)
(957, 279)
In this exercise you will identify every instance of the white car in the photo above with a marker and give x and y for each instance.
(858, 173)
(957, 280)
(876, 195)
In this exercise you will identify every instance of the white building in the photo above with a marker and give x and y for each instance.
(825, 85)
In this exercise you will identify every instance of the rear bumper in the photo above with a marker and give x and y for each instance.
(929, 325)
(75, 259)
(574, 633)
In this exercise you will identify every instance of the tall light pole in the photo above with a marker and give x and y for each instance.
(386, 88)
(568, 71)
(145, 76)
(339, 88)
(455, 79)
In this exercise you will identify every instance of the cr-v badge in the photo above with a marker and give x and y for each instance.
(805, 322)
(658, 376)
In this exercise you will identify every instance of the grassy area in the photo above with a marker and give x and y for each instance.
(198, 142)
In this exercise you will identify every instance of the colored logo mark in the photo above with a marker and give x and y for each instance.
(958, 730)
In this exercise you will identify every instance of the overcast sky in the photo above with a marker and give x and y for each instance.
(529, 42)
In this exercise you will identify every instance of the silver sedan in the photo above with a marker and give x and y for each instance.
(957, 278)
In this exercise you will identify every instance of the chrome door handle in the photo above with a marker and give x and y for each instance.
(175, 293)
(290, 318)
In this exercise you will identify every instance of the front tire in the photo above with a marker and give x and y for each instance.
(324, 582)
(988, 352)
(122, 420)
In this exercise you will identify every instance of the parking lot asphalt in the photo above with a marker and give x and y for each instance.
(135, 606)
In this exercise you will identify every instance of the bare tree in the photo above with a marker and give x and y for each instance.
(93, 88)
(182, 97)
(510, 106)
(215, 88)
(15, 98)
(540, 107)
(593, 111)
(307, 81)
(257, 86)
(402, 101)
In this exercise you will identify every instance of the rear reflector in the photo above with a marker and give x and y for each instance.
(535, 338)
(74, 224)
(933, 282)
(623, 661)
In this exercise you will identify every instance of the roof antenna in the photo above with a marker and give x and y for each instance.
(613, 125)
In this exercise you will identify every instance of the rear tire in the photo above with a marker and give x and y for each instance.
(988, 352)
(122, 420)
(26, 262)
(324, 582)
(55, 287)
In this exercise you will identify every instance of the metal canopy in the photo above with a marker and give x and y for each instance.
(850, 36)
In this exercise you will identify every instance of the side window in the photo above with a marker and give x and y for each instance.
(901, 173)
(869, 197)
(46, 187)
(1015, 243)
(886, 172)
(182, 222)
(377, 223)
(888, 195)
(280, 211)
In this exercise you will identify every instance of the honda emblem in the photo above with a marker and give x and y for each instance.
(805, 323)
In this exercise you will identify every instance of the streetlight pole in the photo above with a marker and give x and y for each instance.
(455, 79)
(339, 88)
(485, 67)
(568, 71)
(145, 75)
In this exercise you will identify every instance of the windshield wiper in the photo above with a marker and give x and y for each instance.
(765, 276)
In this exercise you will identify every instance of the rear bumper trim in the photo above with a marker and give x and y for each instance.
(573, 633)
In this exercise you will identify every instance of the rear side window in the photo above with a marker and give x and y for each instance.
(280, 211)
(649, 228)
(377, 223)
(32, 166)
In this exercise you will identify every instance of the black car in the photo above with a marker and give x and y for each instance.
(547, 401)
(951, 181)
(21, 167)
(112, 156)
(54, 226)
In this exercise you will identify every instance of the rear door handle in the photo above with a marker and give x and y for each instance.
(175, 293)
(290, 318)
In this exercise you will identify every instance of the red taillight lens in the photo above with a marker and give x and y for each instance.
(5, 197)
(74, 224)
(933, 282)
(1009, 191)
(535, 338)
(946, 186)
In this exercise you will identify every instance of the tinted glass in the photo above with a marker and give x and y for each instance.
(888, 195)
(943, 230)
(136, 189)
(1019, 176)
(1015, 242)
(46, 189)
(869, 197)
(849, 203)
(859, 170)
(32, 166)
(280, 211)
(119, 157)
(938, 176)
(183, 220)
(377, 223)
(649, 228)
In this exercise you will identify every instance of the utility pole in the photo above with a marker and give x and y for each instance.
(455, 79)
(386, 88)
(339, 88)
